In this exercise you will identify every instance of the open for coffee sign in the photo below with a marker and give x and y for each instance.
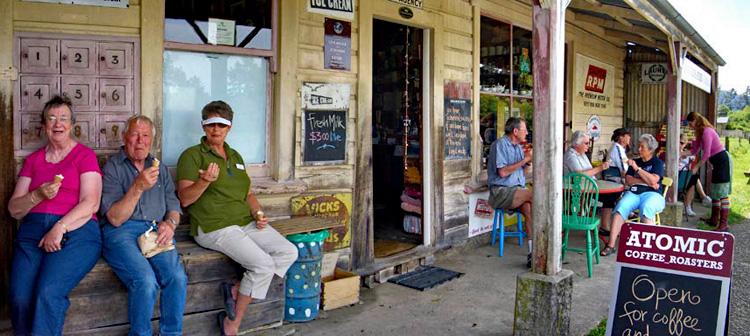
(671, 281)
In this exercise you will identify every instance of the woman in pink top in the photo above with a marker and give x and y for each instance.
(59, 241)
(711, 149)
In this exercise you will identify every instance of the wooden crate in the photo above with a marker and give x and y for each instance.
(342, 289)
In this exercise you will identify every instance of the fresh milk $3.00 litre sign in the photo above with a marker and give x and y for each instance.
(671, 282)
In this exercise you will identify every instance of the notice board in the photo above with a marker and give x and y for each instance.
(671, 281)
(457, 120)
(324, 122)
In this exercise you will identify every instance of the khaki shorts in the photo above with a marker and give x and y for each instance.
(502, 197)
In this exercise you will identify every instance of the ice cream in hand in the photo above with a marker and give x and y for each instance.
(59, 178)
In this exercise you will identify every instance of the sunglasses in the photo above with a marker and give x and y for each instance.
(215, 125)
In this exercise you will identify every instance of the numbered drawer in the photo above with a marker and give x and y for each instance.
(81, 91)
(111, 127)
(115, 94)
(78, 57)
(116, 59)
(84, 130)
(37, 90)
(32, 130)
(40, 56)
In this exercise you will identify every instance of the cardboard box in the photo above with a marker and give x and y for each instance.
(339, 290)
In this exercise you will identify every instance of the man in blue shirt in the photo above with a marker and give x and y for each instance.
(507, 165)
(136, 193)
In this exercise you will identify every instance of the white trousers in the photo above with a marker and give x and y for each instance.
(262, 253)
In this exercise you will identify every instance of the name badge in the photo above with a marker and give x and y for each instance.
(240, 166)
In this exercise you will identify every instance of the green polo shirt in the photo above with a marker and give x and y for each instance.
(224, 203)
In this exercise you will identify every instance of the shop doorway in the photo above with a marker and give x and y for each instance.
(398, 154)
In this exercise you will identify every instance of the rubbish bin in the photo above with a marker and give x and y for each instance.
(303, 278)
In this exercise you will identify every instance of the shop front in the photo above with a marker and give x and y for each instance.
(378, 114)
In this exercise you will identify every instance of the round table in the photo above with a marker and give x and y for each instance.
(609, 187)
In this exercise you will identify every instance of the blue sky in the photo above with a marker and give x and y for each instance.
(725, 25)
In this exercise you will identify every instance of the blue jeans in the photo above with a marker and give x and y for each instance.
(648, 204)
(40, 281)
(145, 277)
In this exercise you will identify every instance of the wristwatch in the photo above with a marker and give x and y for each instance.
(174, 222)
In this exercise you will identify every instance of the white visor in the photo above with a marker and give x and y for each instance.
(216, 120)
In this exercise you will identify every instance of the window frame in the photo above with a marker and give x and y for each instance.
(253, 169)
(510, 96)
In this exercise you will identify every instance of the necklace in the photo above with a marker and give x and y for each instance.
(55, 156)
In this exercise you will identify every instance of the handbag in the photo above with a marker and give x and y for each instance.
(147, 243)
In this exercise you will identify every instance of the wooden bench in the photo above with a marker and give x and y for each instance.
(98, 305)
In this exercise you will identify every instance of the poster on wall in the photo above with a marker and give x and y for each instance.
(337, 45)
(594, 127)
(457, 120)
(481, 214)
(339, 8)
(333, 206)
(594, 87)
(102, 3)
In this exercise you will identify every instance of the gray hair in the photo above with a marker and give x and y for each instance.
(139, 118)
(578, 138)
(513, 123)
(649, 140)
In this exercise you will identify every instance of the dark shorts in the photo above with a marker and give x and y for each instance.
(609, 200)
(721, 163)
(502, 197)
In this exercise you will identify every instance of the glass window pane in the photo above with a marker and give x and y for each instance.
(523, 80)
(193, 79)
(186, 21)
(493, 112)
(524, 108)
(494, 66)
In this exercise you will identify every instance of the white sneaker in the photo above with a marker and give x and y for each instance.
(690, 212)
(707, 201)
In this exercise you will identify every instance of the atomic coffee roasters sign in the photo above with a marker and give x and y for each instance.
(654, 73)
(671, 281)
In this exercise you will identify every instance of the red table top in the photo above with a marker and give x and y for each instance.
(609, 187)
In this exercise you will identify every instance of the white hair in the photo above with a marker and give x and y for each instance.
(578, 138)
(649, 140)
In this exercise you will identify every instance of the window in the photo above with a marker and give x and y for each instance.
(505, 78)
(236, 69)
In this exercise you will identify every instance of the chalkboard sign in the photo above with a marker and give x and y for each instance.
(457, 128)
(324, 136)
(671, 281)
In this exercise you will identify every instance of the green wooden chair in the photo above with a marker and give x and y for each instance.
(580, 199)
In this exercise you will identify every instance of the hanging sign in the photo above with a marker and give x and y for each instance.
(654, 73)
(337, 49)
(671, 281)
(594, 127)
(334, 206)
(693, 74)
(412, 3)
(406, 12)
(338, 8)
(457, 114)
(594, 87)
(102, 3)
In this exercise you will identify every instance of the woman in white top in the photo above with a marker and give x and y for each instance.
(618, 156)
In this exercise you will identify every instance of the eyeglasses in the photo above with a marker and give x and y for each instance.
(682, 142)
(52, 119)
(215, 125)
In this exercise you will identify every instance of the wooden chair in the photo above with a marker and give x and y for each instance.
(580, 199)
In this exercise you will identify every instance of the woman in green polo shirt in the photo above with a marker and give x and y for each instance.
(225, 215)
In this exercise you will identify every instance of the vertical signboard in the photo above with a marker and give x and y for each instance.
(457, 120)
(671, 281)
(337, 46)
(324, 122)
(594, 87)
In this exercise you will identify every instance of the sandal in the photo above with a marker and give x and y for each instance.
(229, 304)
(607, 251)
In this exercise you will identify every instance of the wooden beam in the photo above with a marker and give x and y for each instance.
(674, 112)
(7, 161)
(548, 52)
(623, 21)
(613, 11)
(635, 38)
(653, 34)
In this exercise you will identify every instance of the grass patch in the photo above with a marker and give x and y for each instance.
(599, 330)
(740, 151)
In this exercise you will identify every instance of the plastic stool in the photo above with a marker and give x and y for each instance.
(500, 213)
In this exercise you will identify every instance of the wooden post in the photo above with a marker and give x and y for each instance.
(7, 161)
(674, 112)
(548, 52)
